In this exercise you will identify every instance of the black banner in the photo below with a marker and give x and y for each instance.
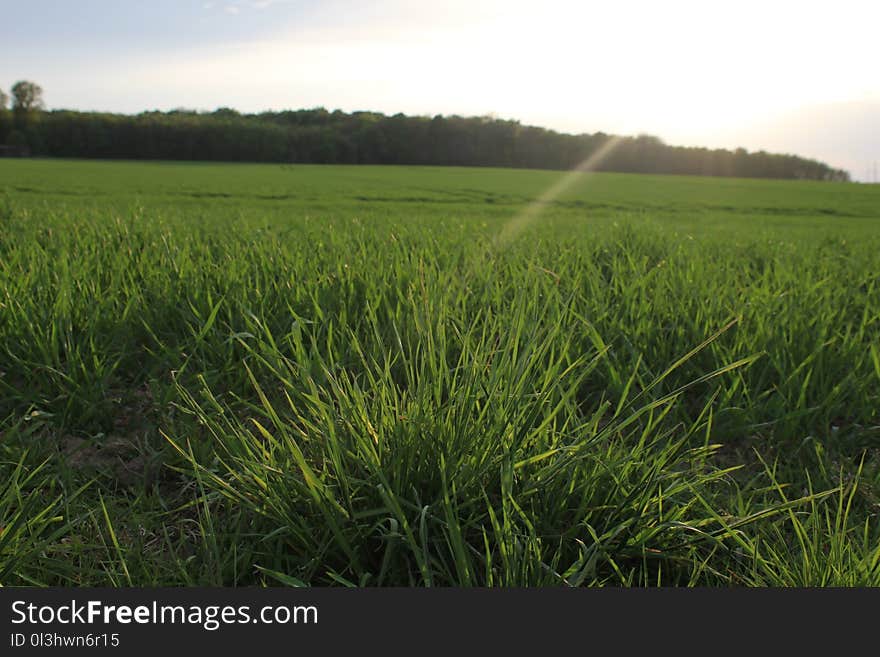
(407, 621)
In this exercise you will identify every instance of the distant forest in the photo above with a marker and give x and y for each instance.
(324, 137)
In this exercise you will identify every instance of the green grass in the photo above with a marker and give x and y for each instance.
(255, 374)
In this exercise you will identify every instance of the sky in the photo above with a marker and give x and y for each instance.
(799, 77)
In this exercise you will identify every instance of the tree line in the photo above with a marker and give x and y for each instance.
(323, 137)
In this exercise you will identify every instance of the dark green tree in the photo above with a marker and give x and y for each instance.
(5, 121)
(27, 100)
(321, 136)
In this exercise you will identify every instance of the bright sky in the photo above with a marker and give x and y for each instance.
(790, 76)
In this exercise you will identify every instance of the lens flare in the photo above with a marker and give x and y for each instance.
(531, 212)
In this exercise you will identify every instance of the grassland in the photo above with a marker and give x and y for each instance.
(258, 374)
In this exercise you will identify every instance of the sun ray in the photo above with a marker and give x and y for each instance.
(533, 210)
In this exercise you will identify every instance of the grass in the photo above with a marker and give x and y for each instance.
(254, 374)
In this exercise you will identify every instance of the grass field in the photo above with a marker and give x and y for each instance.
(256, 374)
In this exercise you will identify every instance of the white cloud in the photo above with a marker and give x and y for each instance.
(233, 7)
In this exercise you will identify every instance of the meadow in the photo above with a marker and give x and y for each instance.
(230, 374)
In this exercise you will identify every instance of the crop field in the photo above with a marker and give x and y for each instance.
(386, 376)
